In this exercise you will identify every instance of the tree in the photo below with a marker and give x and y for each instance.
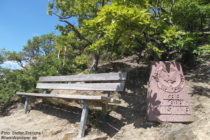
(154, 30)
(181, 26)
(121, 27)
(39, 46)
(82, 10)
(192, 15)
(38, 58)
(92, 38)
(109, 30)
(1, 57)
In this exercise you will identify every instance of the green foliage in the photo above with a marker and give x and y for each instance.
(192, 15)
(109, 29)
(1, 57)
(111, 22)
(154, 30)
(39, 46)
(180, 29)
(41, 56)
(76, 8)
(9, 83)
(203, 50)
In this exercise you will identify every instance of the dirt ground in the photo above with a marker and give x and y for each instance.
(126, 121)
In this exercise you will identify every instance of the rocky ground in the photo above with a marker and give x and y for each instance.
(126, 121)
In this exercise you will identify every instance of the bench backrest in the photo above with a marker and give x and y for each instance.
(101, 82)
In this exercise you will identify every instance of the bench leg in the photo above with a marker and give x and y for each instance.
(83, 120)
(26, 104)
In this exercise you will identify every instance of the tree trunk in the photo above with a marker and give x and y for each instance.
(64, 57)
(94, 65)
(58, 56)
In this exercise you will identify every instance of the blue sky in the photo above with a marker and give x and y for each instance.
(20, 20)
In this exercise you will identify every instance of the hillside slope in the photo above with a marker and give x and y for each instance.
(126, 121)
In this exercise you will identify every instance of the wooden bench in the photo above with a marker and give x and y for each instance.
(89, 82)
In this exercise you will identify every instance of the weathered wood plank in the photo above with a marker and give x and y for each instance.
(121, 76)
(84, 86)
(83, 120)
(74, 97)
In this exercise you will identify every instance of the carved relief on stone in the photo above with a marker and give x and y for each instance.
(167, 97)
(169, 79)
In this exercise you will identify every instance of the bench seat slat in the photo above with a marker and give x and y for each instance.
(120, 76)
(76, 97)
(83, 86)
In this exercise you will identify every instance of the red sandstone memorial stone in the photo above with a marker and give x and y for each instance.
(167, 97)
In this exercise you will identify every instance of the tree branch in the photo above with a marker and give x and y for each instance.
(103, 3)
(74, 29)
(167, 12)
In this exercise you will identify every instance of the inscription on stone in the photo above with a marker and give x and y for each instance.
(167, 97)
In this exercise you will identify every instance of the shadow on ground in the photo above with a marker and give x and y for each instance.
(200, 76)
(72, 114)
(135, 96)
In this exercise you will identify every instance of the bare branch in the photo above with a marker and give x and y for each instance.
(74, 29)
(172, 6)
